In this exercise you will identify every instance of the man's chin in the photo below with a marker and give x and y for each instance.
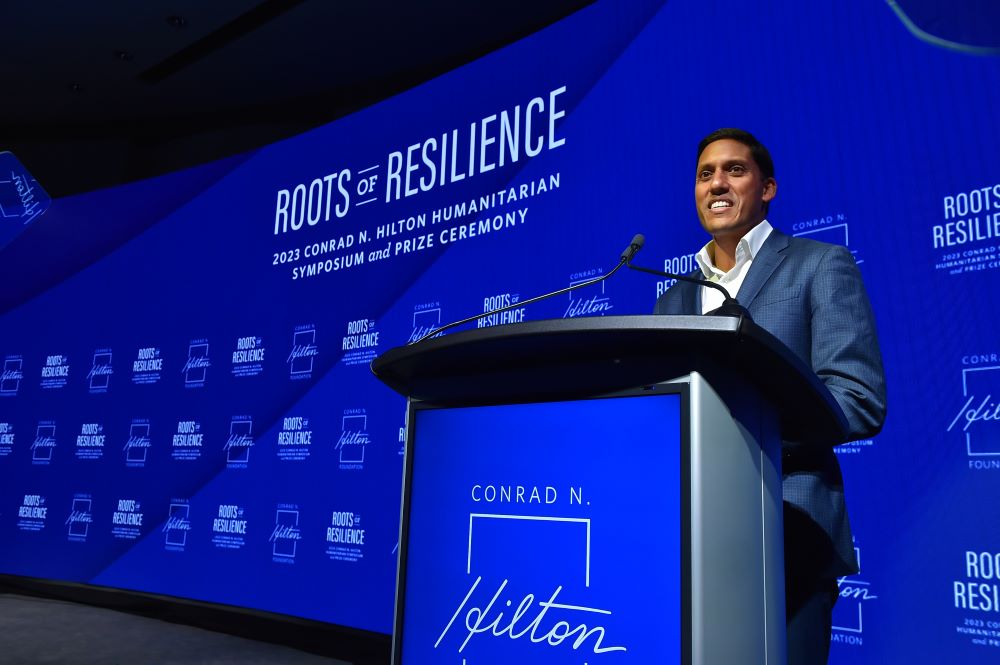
(728, 229)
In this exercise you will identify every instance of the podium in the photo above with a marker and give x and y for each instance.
(598, 490)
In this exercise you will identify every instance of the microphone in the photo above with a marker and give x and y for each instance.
(637, 242)
(730, 306)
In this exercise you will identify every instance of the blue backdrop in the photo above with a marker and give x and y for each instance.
(186, 407)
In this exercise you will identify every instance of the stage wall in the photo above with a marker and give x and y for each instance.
(186, 406)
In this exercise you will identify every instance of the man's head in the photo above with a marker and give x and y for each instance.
(734, 183)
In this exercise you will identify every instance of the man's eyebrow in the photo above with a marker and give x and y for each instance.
(735, 161)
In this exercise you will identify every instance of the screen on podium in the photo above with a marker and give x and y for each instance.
(186, 407)
(545, 533)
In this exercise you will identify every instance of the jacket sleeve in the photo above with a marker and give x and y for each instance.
(845, 349)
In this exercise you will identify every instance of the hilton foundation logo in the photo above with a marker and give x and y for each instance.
(558, 574)
(426, 317)
(80, 518)
(178, 525)
(286, 534)
(856, 596)
(831, 228)
(10, 379)
(100, 371)
(302, 357)
(976, 420)
(588, 300)
(22, 199)
(44, 444)
(138, 443)
(354, 439)
(240, 442)
(195, 369)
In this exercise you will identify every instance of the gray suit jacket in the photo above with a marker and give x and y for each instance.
(810, 295)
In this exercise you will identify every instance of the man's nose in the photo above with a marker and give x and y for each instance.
(719, 182)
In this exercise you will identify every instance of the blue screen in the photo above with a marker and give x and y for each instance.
(545, 533)
(185, 359)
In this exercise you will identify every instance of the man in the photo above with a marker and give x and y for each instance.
(809, 295)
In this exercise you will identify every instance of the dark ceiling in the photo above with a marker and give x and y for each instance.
(95, 94)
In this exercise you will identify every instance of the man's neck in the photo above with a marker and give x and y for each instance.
(723, 251)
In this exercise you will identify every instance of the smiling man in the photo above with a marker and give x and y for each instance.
(809, 295)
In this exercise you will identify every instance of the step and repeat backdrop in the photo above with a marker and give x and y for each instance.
(186, 405)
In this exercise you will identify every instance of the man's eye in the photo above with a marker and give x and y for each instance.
(737, 169)
(704, 175)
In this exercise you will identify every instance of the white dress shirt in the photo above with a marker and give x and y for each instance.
(747, 248)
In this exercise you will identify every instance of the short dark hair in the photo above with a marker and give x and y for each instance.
(757, 150)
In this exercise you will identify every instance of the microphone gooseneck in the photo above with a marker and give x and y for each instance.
(730, 306)
(637, 242)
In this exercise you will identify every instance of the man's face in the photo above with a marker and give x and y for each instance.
(730, 192)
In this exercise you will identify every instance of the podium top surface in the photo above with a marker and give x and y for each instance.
(566, 358)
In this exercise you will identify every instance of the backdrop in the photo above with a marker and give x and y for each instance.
(186, 406)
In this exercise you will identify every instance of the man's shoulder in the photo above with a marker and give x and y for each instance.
(807, 248)
(672, 301)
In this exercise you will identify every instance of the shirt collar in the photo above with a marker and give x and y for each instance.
(746, 250)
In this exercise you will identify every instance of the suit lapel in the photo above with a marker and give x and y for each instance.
(769, 257)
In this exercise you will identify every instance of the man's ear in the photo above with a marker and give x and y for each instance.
(770, 189)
